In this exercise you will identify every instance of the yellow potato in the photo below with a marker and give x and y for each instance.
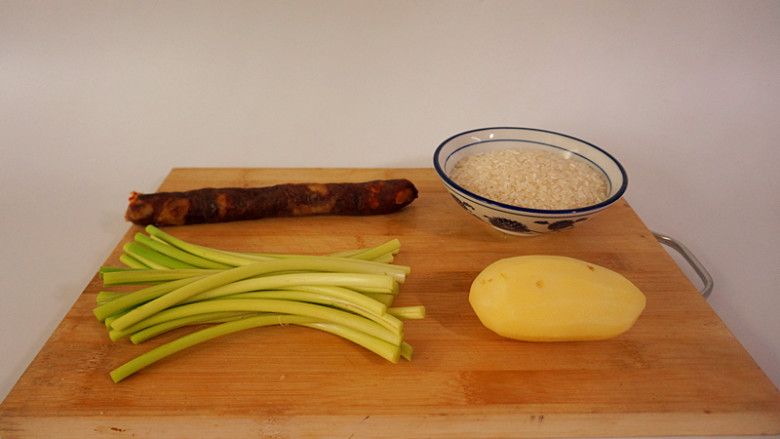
(554, 298)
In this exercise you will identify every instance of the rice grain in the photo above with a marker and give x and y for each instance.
(531, 179)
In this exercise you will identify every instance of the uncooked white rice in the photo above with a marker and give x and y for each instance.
(531, 179)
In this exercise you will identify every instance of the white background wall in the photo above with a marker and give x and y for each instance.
(98, 98)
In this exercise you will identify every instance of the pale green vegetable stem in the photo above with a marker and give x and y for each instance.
(176, 253)
(131, 261)
(382, 348)
(151, 276)
(319, 312)
(408, 312)
(348, 294)
(136, 298)
(201, 336)
(389, 321)
(169, 325)
(377, 283)
(153, 258)
(198, 250)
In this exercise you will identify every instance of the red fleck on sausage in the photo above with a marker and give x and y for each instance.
(212, 205)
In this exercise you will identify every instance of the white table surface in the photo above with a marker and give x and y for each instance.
(100, 98)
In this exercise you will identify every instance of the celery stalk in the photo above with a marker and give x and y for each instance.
(226, 277)
(407, 312)
(348, 294)
(194, 338)
(390, 247)
(204, 335)
(356, 281)
(152, 276)
(131, 300)
(389, 321)
(406, 351)
(384, 349)
(319, 312)
(131, 261)
(177, 253)
(107, 296)
(163, 327)
(153, 258)
(385, 299)
(198, 250)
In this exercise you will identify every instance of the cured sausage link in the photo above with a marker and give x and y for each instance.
(212, 205)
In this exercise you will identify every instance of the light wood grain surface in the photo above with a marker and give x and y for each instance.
(678, 371)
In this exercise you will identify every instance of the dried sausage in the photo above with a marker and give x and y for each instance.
(211, 205)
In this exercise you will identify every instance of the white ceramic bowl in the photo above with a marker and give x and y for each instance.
(518, 220)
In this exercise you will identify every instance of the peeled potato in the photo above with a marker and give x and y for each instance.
(554, 298)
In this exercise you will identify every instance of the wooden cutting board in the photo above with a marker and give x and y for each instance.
(678, 371)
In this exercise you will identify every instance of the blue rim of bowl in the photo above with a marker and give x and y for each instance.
(593, 207)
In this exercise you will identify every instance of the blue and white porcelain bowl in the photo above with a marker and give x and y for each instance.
(518, 220)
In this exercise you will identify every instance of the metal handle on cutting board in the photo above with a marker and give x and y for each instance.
(706, 289)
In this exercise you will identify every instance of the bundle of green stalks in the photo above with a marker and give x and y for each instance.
(349, 294)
